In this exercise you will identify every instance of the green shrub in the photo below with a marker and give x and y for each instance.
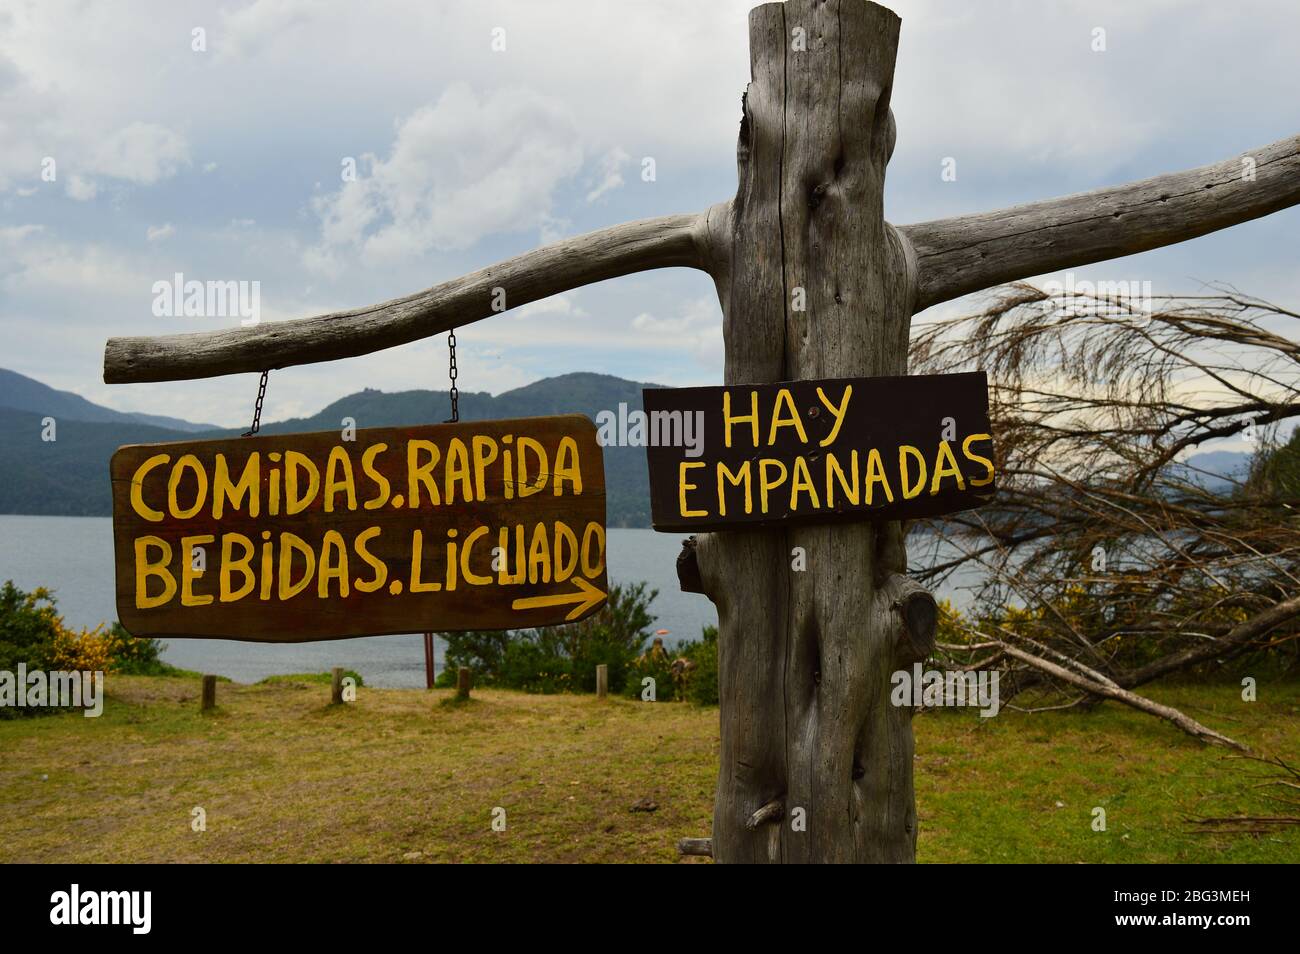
(702, 684)
(29, 629)
(534, 667)
(29, 624)
(558, 658)
(135, 656)
(654, 666)
(33, 632)
(698, 683)
(564, 658)
(482, 651)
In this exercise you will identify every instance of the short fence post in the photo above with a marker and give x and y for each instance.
(336, 685)
(462, 683)
(209, 694)
(602, 681)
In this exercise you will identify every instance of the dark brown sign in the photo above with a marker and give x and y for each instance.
(817, 451)
(295, 537)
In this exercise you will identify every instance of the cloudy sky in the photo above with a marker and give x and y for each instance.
(226, 163)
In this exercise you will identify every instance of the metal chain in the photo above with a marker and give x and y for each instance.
(451, 371)
(257, 408)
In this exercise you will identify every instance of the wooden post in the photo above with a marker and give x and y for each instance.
(602, 680)
(428, 661)
(209, 697)
(818, 287)
(336, 686)
(462, 683)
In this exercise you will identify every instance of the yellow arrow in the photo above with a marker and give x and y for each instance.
(586, 596)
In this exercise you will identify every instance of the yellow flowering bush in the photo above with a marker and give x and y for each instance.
(90, 650)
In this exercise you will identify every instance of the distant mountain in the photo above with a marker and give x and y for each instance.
(1217, 471)
(21, 393)
(69, 476)
(627, 487)
(578, 393)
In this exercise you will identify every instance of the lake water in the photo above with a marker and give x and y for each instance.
(74, 557)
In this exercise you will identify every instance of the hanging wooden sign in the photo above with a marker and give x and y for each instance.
(288, 538)
(723, 458)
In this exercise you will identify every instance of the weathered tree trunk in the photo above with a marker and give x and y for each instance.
(806, 656)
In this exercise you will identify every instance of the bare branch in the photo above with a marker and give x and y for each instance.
(771, 811)
(1106, 555)
(703, 847)
(1240, 636)
(970, 252)
(672, 240)
(1143, 704)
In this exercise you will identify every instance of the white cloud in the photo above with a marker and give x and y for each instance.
(697, 328)
(246, 32)
(156, 233)
(63, 272)
(610, 175)
(462, 169)
(552, 229)
(71, 89)
(555, 305)
(12, 234)
(141, 153)
(81, 189)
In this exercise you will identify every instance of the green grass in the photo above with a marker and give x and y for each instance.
(399, 776)
(1022, 787)
(312, 678)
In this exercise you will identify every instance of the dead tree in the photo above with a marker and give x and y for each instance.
(1129, 563)
(805, 657)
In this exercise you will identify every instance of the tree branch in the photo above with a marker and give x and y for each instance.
(1235, 640)
(971, 252)
(665, 242)
(1170, 714)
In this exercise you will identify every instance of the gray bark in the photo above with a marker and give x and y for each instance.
(970, 252)
(670, 240)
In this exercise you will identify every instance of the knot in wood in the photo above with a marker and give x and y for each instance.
(917, 618)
